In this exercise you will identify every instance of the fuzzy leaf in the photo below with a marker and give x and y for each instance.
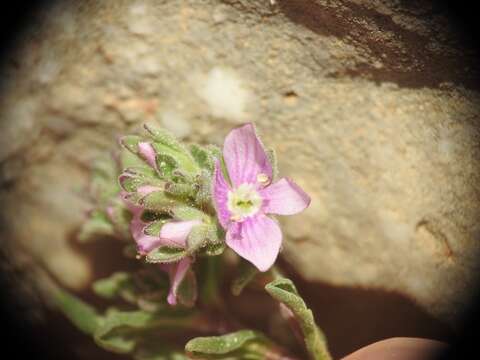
(112, 286)
(97, 225)
(203, 157)
(134, 177)
(82, 315)
(122, 331)
(180, 190)
(155, 350)
(185, 213)
(197, 238)
(166, 165)
(166, 144)
(284, 291)
(204, 193)
(166, 254)
(103, 185)
(246, 273)
(242, 344)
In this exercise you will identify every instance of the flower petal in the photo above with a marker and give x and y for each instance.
(176, 272)
(148, 153)
(284, 198)
(245, 156)
(145, 243)
(176, 233)
(220, 195)
(257, 240)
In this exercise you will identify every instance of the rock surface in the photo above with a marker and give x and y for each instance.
(371, 106)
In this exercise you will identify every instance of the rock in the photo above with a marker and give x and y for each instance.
(372, 108)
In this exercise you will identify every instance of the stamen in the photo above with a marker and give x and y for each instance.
(263, 179)
(235, 218)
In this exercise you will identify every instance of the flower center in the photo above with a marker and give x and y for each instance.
(243, 201)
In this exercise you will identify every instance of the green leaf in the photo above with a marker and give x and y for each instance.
(134, 177)
(121, 331)
(204, 194)
(203, 157)
(103, 184)
(284, 291)
(166, 165)
(156, 350)
(166, 144)
(180, 190)
(97, 225)
(243, 344)
(246, 273)
(82, 315)
(166, 254)
(112, 286)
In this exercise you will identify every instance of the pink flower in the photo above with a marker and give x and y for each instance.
(243, 205)
(173, 233)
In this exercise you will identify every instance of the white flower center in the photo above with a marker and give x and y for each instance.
(243, 201)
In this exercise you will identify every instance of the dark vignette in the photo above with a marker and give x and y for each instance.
(24, 337)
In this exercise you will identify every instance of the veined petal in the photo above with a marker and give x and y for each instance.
(245, 156)
(176, 272)
(257, 240)
(284, 198)
(146, 150)
(176, 233)
(220, 195)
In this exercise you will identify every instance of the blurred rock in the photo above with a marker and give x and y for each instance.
(372, 107)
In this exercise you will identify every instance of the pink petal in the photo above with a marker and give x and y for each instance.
(220, 196)
(145, 243)
(284, 198)
(148, 153)
(147, 189)
(176, 233)
(176, 272)
(257, 240)
(244, 156)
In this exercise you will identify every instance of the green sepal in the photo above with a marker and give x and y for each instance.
(165, 143)
(134, 177)
(181, 190)
(166, 165)
(284, 291)
(203, 157)
(157, 201)
(242, 344)
(166, 254)
(130, 142)
(154, 228)
(204, 194)
(185, 213)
